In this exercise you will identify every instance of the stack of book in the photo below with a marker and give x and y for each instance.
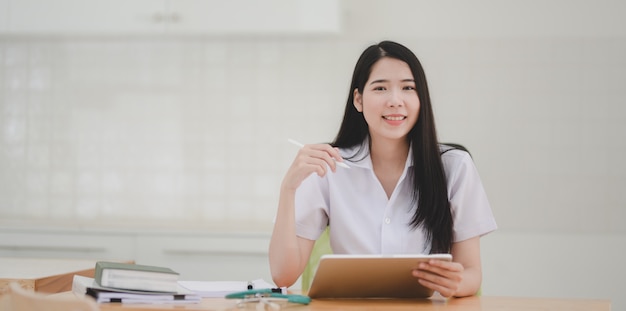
(132, 283)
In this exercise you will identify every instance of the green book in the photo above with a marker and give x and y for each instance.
(117, 275)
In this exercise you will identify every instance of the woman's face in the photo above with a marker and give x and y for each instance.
(389, 101)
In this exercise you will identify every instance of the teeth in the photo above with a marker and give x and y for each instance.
(394, 118)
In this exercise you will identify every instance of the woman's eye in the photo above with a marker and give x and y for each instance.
(379, 88)
(409, 87)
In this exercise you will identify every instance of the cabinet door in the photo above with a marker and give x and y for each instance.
(208, 257)
(4, 16)
(78, 17)
(253, 17)
(66, 244)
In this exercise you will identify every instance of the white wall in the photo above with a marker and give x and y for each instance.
(192, 130)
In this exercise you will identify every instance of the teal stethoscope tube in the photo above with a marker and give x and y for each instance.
(270, 293)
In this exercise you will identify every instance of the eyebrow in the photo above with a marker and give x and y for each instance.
(385, 80)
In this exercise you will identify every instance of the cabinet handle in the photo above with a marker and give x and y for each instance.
(53, 249)
(175, 17)
(157, 18)
(166, 18)
(194, 252)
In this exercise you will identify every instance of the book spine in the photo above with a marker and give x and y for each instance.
(98, 273)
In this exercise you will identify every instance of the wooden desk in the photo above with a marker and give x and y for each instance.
(43, 275)
(483, 303)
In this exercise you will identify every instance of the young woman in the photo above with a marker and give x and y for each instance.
(403, 193)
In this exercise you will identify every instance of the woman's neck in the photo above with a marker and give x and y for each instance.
(389, 153)
(388, 161)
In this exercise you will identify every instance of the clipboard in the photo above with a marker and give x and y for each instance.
(370, 276)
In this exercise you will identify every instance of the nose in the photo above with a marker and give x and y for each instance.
(395, 99)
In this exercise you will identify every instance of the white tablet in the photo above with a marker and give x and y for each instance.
(370, 276)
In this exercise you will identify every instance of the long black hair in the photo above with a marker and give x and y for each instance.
(430, 192)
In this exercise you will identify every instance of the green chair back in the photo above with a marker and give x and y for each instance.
(321, 247)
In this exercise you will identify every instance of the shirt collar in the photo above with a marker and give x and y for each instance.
(360, 156)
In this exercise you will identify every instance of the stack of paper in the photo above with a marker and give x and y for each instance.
(220, 289)
(87, 286)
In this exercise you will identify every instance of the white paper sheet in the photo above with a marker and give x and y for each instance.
(215, 289)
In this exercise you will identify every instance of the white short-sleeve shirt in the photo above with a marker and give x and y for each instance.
(363, 220)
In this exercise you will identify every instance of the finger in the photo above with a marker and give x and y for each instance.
(336, 155)
(444, 291)
(449, 265)
(442, 277)
(324, 152)
(333, 152)
(446, 287)
(310, 165)
(326, 157)
(442, 268)
(436, 278)
(320, 166)
(304, 165)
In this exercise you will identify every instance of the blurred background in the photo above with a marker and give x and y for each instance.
(157, 130)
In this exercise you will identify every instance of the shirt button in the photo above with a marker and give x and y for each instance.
(387, 220)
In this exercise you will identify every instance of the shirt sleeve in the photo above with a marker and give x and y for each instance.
(470, 207)
(311, 207)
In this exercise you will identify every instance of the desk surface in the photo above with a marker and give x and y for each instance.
(48, 275)
(483, 303)
(43, 275)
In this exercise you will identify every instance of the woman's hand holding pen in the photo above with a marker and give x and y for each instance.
(289, 253)
(441, 276)
(314, 158)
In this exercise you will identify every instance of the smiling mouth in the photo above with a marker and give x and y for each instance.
(394, 118)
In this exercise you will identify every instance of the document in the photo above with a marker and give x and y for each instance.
(219, 289)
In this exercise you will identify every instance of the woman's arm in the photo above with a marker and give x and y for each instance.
(460, 278)
(288, 253)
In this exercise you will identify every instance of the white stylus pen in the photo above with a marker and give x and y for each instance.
(301, 145)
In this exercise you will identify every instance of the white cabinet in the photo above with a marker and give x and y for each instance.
(254, 17)
(4, 16)
(71, 17)
(66, 244)
(195, 255)
(208, 257)
(122, 17)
